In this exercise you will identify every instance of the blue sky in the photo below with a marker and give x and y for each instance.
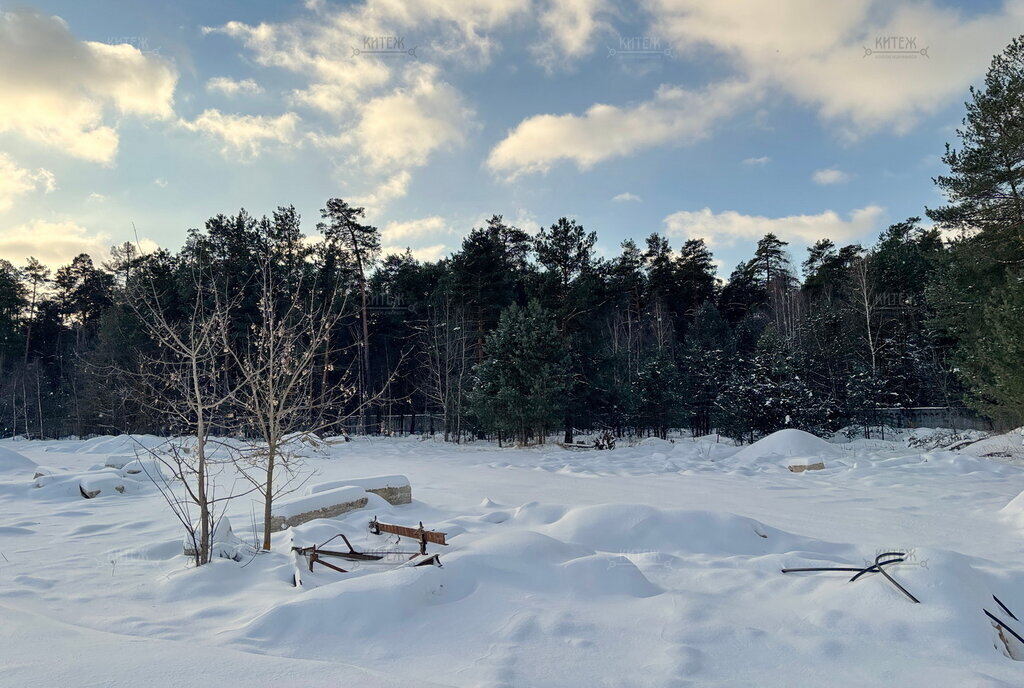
(739, 118)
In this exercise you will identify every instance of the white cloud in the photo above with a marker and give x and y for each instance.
(244, 135)
(675, 116)
(161, 182)
(729, 226)
(320, 45)
(389, 114)
(626, 196)
(402, 129)
(16, 181)
(53, 243)
(231, 87)
(814, 51)
(425, 253)
(526, 221)
(829, 176)
(569, 30)
(414, 231)
(420, 236)
(322, 52)
(757, 162)
(395, 186)
(57, 90)
(96, 198)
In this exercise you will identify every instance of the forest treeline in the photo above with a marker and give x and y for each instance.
(515, 336)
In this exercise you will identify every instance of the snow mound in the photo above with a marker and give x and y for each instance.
(299, 442)
(1009, 446)
(223, 542)
(788, 443)
(99, 482)
(634, 528)
(14, 464)
(483, 584)
(657, 443)
(105, 444)
(106, 483)
(1014, 510)
(604, 575)
(378, 482)
(144, 469)
(119, 461)
(953, 597)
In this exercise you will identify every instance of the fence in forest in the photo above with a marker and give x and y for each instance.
(953, 417)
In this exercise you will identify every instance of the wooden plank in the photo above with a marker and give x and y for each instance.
(811, 467)
(434, 536)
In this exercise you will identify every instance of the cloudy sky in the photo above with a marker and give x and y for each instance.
(723, 120)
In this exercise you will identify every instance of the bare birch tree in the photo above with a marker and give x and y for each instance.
(184, 382)
(278, 369)
(866, 300)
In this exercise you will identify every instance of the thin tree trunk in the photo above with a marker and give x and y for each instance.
(268, 500)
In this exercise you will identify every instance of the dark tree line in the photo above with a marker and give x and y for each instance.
(516, 336)
(512, 336)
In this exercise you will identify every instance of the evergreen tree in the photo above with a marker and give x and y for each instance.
(12, 302)
(767, 394)
(770, 261)
(994, 364)
(695, 270)
(659, 394)
(519, 390)
(565, 250)
(707, 359)
(489, 273)
(985, 189)
(743, 294)
(358, 245)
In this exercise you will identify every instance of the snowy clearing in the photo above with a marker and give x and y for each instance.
(651, 565)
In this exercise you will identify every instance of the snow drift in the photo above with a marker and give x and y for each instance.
(788, 444)
(13, 464)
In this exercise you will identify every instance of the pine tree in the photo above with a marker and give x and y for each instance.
(488, 274)
(519, 390)
(768, 394)
(659, 394)
(743, 294)
(566, 251)
(985, 188)
(707, 359)
(770, 261)
(695, 276)
(994, 367)
(358, 244)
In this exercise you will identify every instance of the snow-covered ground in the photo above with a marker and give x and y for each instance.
(651, 565)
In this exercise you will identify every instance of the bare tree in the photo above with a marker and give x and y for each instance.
(277, 369)
(865, 300)
(184, 382)
(445, 352)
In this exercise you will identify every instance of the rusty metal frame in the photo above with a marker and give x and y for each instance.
(314, 553)
(421, 534)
